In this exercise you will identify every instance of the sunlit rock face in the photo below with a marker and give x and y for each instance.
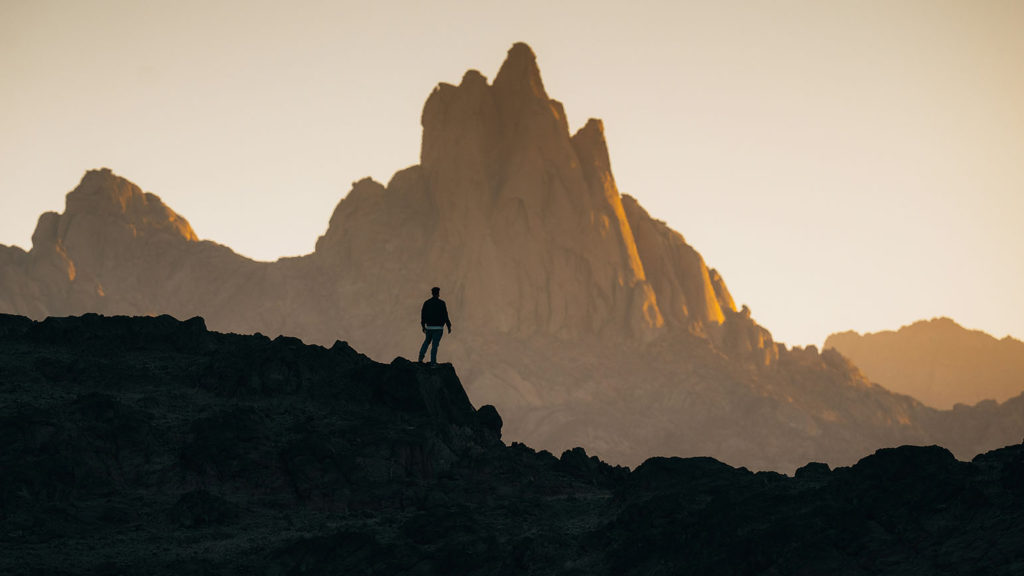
(108, 228)
(583, 319)
(108, 222)
(518, 222)
(938, 362)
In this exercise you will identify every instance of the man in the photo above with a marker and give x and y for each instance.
(433, 319)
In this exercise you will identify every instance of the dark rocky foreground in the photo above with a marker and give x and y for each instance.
(153, 446)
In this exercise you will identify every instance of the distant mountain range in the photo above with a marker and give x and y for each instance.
(938, 362)
(583, 319)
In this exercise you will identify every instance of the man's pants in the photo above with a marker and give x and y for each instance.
(433, 335)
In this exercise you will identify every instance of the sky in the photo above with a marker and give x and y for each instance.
(845, 165)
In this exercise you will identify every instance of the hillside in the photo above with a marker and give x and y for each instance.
(153, 446)
(938, 362)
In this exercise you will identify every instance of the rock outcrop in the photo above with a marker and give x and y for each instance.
(153, 446)
(582, 319)
(530, 226)
(938, 362)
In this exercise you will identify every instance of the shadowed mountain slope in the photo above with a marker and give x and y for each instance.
(583, 319)
(938, 362)
(153, 446)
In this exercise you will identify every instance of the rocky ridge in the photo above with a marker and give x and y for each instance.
(153, 446)
(939, 362)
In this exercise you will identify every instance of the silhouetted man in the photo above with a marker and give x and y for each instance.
(433, 319)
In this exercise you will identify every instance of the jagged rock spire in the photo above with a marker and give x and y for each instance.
(519, 74)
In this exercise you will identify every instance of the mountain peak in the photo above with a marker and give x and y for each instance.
(942, 322)
(473, 77)
(937, 361)
(106, 217)
(593, 125)
(519, 73)
(104, 195)
(591, 146)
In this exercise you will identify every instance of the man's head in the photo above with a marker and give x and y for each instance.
(435, 291)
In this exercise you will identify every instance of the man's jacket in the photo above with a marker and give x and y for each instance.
(435, 313)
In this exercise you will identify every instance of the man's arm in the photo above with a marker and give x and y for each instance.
(423, 317)
(447, 322)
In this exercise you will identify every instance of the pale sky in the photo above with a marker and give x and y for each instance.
(844, 164)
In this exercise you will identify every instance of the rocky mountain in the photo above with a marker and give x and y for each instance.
(938, 362)
(152, 446)
(586, 321)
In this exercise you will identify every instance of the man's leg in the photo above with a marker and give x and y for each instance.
(433, 349)
(426, 342)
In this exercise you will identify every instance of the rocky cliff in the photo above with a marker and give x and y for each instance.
(938, 362)
(582, 318)
(153, 446)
